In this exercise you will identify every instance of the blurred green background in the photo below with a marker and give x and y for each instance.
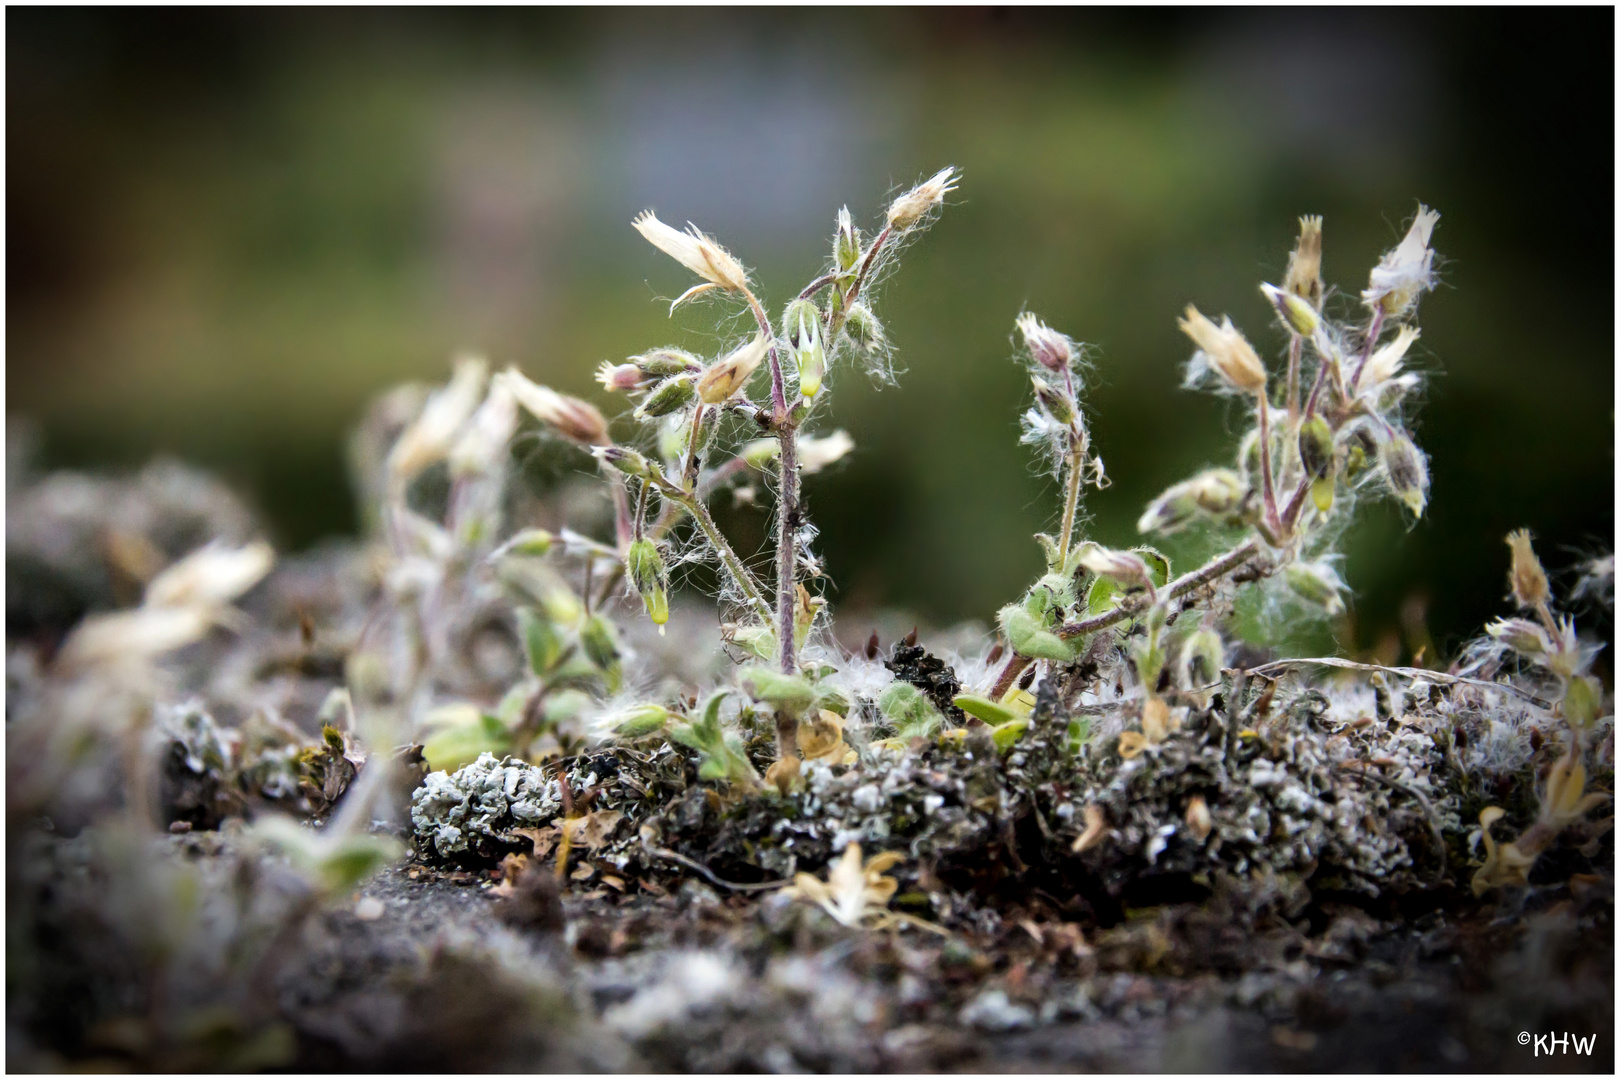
(226, 229)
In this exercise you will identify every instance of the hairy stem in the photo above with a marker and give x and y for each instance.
(1367, 348)
(1263, 403)
(739, 573)
(622, 529)
(1071, 501)
(689, 474)
(1186, 583)
(1016, 663)
(1296, 346)
(817, 285)
(787, 559)
(778, 383)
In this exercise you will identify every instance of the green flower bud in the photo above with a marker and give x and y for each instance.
(863, 327)
(599, 641)
(662, 363)
(649, 578)
(1297, 314)
(640, 720)
(1316, 446)
(1322, 493)
(627, 461)
(1055, 402)
(673, 393)
(790, 693)
(801, 322)
(1218, 491)
(542, 640)
(1406, 472)
(1583, 701)
(846, 242)
(1317, 583)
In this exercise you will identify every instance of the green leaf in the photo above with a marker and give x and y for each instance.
(984, 708)
(542, 640)
(1158, 565)
(1007, 734)
(911, 713)
(790, 693)
(1104, 595)
(458, 744)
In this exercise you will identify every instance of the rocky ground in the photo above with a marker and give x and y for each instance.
(1279, 880)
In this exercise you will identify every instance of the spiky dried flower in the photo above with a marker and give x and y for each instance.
(910, 208)
(212, 576)
(429, 437)
(731, 372)
(695, 251)
(1225, 349)
(576, 420)
(1304, 278)
(853, 891)
(1527, 579)
(1050, 349)
(1385, 363)
(1405, 270)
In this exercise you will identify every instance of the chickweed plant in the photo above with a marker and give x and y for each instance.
(1123, 644)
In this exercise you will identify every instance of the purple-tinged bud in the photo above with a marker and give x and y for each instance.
(1522, 636)
(1053, 351)
(1053, 400)
(627, 461)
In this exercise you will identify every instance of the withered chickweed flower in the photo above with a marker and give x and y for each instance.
(1405, 270)
(1405, 470)
(910, 208)
(731, 372)
(1050, 349)
(1304, 277)
(1385, 362)
(1226, 350)
(576, 420)
(695, 251)
(1527, 578)
(429, 438)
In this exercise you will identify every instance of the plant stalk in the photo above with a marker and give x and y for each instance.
(739, 573)
(1186, 583)
(1296, 346)
(1071, 502)
(1263, 403)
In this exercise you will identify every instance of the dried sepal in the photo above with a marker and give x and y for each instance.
(1405, 271)
(1226, 350)
(854, 890)
(695, 251)
(915, 204)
